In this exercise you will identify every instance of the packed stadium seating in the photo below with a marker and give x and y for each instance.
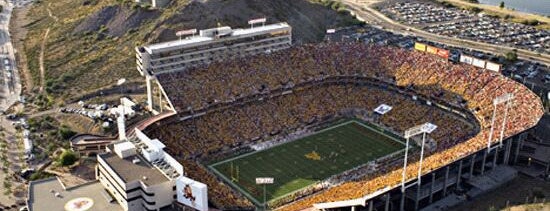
(325, 79)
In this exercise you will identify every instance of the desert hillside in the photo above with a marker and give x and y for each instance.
(86, 45)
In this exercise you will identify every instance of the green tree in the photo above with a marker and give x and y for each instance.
(7, 187)
(66, 133)
(501, 5)
(533, 22)
(474, 9)
(67, 158)
(511, 56)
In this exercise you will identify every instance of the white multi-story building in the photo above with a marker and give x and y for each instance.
(140, 176)
(212, 45)
(208, 46)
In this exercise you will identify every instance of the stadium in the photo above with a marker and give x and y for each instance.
(330, 122)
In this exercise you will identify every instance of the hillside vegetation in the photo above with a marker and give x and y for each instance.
(89, 44)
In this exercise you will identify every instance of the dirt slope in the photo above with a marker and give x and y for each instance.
(309, 20)
(92, 43)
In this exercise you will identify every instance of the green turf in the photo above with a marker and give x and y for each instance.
(341, 147)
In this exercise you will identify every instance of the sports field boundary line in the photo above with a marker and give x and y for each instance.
(268, 148)
(338, 174)
(234, 185)
(256, 202)
(382, 132)
(350, 121)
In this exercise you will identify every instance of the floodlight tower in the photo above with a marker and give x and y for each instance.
(505, 98)
(416, 130)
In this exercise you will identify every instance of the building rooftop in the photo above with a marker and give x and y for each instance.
(198, 39)
(90, 139)
(129, 171)
(42, 196)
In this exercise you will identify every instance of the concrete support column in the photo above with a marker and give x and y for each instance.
(495, 158)
(507, 152)
(417, 198)
(371, 205)
(459, 174)
(518, 146)
(472, 162)
(160, 99)
(387, 206)
(432, 188)
(485, 154)
(352, 208)
(149, 92)
(447, 169)
(402, 206)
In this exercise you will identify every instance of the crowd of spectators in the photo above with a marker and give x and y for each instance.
(308, 83)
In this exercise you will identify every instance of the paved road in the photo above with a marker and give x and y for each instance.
(10, 83)
(373, 17)
(14, 154)
(10, 91)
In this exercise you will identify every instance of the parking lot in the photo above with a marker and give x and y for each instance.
(7, 75)
(464, 24)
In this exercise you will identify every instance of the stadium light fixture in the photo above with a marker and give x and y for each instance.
(508, 100)
(119, 83)
(416, 130)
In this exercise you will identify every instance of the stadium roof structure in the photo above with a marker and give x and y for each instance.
(204, 37)
(392, 66)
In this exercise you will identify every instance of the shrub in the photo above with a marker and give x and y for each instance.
(511, 56)
(474, 9)
(533, 22)
(67, 158)
(66, 133)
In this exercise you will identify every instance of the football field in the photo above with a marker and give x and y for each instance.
(303, 162)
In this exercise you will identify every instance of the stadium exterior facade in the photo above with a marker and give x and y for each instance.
(208, 46)
(429, 188)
